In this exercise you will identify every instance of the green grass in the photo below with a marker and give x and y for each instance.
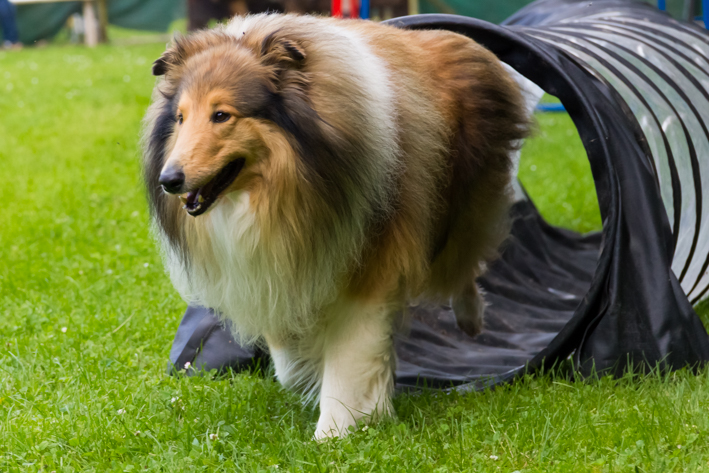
(556, 174)
(87, 317)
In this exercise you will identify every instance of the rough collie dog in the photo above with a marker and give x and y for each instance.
(309, 176)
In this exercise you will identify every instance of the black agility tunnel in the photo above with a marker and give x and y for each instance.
(635, 82)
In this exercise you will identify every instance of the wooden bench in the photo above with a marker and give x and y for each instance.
(95, 18)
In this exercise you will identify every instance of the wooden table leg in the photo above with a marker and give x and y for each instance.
(90, 24)
(102, 21)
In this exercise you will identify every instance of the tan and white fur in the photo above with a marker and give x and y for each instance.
(348, 168)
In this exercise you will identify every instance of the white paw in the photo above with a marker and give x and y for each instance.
(335, 424)
(337, 420)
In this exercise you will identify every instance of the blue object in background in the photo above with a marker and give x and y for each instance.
(550, 107)
(364, 9)
(662, 5)
(8, 22)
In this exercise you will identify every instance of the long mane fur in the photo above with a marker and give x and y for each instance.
(292, 253)
(366, 176)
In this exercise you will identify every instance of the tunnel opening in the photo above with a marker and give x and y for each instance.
(555, 173)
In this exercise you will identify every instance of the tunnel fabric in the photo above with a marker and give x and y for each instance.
(609, 300)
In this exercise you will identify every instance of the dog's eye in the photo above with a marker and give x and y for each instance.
(180, 119)
(220, 117)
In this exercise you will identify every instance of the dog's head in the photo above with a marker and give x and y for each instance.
(223, 99)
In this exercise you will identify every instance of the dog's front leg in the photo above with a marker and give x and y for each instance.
(358, 362)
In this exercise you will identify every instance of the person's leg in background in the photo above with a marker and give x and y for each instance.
(8, 24)
(200, 12)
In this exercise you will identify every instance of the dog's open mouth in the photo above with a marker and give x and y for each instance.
(199, 200)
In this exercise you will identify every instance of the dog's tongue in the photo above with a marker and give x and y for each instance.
(198, 201)
(192, 200)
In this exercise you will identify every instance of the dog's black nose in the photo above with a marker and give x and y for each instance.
(172, 180)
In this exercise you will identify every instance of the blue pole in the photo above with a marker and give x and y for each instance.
(705, 13)
(661, 5)
(364, 9)
(551, 107)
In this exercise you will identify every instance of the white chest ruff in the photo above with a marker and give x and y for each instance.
(258, 289)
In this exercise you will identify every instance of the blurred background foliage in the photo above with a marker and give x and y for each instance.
(44, 21)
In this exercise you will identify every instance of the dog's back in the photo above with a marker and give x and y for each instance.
(459, 116)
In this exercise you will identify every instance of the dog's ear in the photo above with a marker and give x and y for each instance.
(173, 56)
(182, 48)
(162, 64)
(284, 53)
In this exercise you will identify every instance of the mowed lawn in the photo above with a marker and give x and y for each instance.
(87, 316)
